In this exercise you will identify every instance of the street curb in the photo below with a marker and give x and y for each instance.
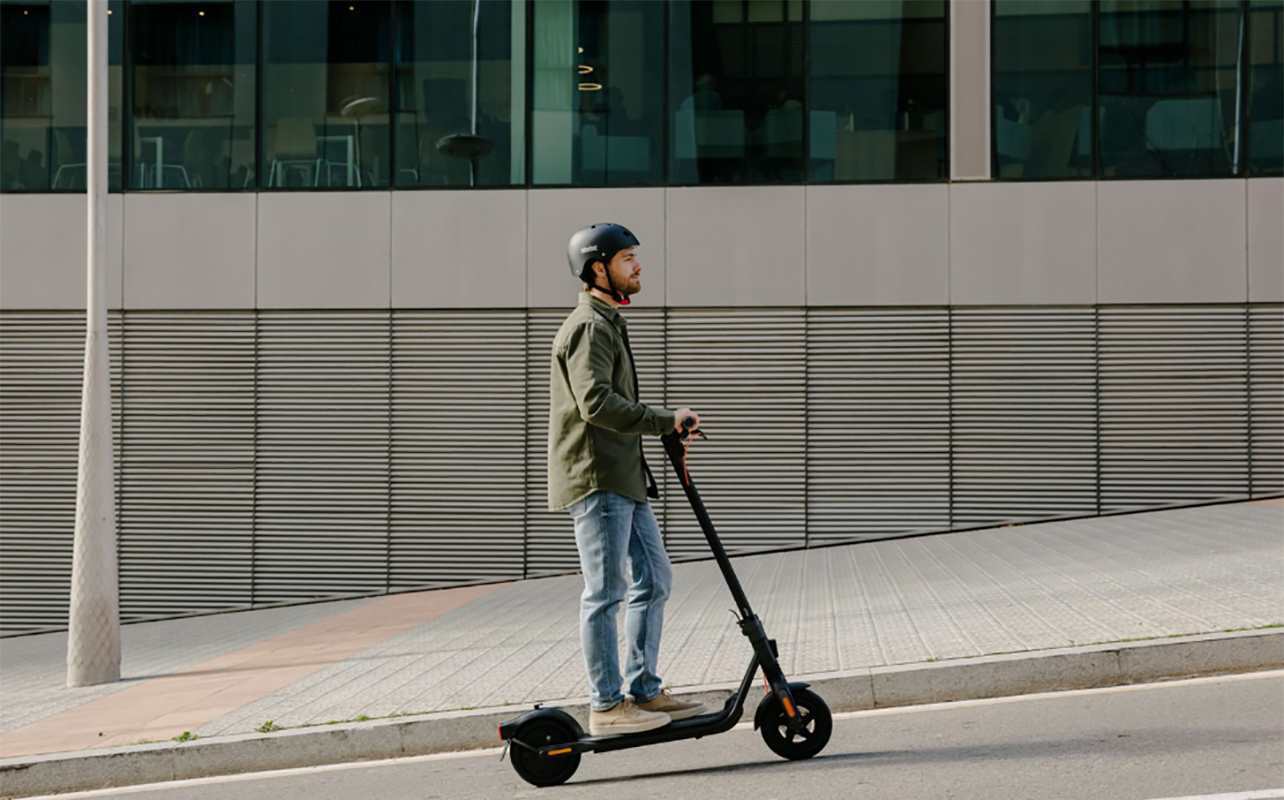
(1083, 667)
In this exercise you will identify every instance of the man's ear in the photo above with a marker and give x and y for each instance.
(599, 269)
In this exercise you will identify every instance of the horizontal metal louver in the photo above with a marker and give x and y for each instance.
(878, 425)
(550, 539)
(647, 340)
(321, 486)
(1174, 405)
(458, 447)
(187, 453)
(1266, 374)
(268, 456)
(1023, 410)
(744, 372)
(42, 355)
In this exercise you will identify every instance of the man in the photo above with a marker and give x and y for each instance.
(596, 470)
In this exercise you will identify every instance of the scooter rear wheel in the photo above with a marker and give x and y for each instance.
(817, 725)
(544, 770)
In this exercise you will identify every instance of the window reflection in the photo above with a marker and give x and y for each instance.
(879, 90)
(736, 90)
(193, 93)
(43, 95)
(598, 115)
(1266, 87)
(325, 93)
(1042, 89)
(460, 92)
(1168, 88)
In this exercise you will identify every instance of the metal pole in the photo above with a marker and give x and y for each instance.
(93, 638)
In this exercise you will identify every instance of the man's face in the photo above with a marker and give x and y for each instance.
(626, 272)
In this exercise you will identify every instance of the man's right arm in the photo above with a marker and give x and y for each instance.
(590, 355)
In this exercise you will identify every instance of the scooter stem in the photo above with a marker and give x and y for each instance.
(750, 625)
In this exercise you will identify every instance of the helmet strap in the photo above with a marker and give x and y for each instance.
(610, 287)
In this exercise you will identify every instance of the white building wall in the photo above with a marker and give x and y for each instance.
(459, 249)
(1055, 243)
(1175, 241)
(1266, 240)
(190, 251)
(1023, 244)
(43, 251)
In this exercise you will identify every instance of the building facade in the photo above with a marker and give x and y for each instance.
(920, 265)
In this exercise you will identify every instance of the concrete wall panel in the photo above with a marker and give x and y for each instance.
(970, 90)
(1179, 241)
(325, 250)
(736, 246)
(459, 249)
(1023, 243)
(190, 251)
(555, 214)
(43, 259)
(1266, 240)
(878, 245)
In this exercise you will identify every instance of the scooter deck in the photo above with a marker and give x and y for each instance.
(689, 728)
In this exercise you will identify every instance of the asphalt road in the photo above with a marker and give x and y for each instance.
(1210, 736)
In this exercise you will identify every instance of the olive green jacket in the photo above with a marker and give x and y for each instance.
(595, 422)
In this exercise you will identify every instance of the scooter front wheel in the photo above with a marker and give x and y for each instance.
(817, 725)
(538, 770)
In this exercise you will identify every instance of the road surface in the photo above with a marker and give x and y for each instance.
(1210, 736)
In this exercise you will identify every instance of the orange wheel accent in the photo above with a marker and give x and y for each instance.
(567, 749)
(789, 707)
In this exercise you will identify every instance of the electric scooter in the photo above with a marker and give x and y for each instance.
(546, 743)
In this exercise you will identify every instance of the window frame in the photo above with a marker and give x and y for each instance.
(1244, 140)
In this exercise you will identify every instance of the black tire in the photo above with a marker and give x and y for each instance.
(818, 724)
(546, 770)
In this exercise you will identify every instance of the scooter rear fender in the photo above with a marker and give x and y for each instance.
(507, 729)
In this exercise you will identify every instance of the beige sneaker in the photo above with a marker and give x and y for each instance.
(626, 717)
(675, 708)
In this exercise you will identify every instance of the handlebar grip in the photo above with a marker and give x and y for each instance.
(688, 423)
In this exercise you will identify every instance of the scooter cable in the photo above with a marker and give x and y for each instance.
(690, 437)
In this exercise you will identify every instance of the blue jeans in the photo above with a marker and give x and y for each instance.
(621, 550)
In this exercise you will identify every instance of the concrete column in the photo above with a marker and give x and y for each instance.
(970, 112)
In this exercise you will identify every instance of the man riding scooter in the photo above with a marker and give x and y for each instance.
(597, 472)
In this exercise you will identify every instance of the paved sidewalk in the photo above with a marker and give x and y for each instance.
(1004, 590)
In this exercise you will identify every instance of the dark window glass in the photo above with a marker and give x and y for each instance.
(1168, 88)
(192, 63)
(736, 91)
(879, 90)
(461, 91)
(325, 93)
(598, 112)
(43, 95)
(1042, 89)
(1266, 87)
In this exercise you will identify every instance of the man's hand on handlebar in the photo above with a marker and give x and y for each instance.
(682, 414)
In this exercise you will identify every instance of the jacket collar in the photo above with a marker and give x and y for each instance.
(604, 308)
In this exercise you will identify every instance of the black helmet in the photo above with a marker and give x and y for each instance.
(598, 242)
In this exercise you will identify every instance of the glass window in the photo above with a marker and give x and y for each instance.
(325, 91)
(1042, 88)
(598, 110)
(192, 64)
(43, 95)
(461, 88)
(736, 91)
(1168, 87)
(1266, 87)
(879, 90)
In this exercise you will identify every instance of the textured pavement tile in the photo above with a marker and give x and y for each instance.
(1000, 590)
